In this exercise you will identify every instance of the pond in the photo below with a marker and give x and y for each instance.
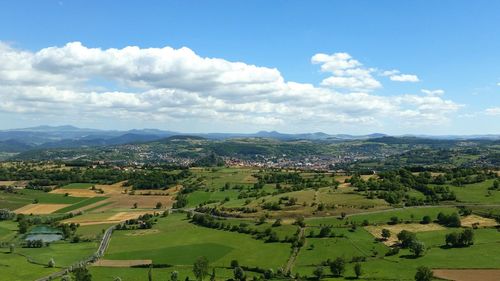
(45, 233)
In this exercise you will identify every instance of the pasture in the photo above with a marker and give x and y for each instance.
(178, 243)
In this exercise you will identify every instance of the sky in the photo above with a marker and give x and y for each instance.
(356, 67)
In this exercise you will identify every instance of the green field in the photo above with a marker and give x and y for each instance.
(31, 263)
(14, 267)
(81, 204)
(136, 274)
(175, 241)
(24, 197)
(8, 230)
(477, 193)
(411, 214)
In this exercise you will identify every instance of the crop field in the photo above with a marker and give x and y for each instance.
(24, 197)
(376, 231)
(81, 204)
(108, 217)
(75, 192)
(468, 274)
(40, 209)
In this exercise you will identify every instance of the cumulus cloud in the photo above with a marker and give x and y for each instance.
(347, 73)
(396, 75)
(162, 84)
(437, 92)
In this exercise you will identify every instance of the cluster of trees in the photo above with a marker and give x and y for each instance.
(324, 231)
(294, 179)
(208, 221)
(271, 206)
(392, 186)
(156, 179)
(211, 160)
(409, 240)
(40, 177)
(461, 176)
(461, 239)
(69, 230)
(280, 177)
(34, 243)
(226, 212)
(25, 222)
(145, 221)
(6, 214)
(451, 220)
(181, 201)
(495, 185)
(337, 268)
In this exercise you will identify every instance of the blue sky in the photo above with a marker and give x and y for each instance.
(451, 46)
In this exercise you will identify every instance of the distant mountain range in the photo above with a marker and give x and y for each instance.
(44, 137)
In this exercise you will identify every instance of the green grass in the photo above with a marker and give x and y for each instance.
(14, 267)
(408, 214)
(199, 197)
(359, 243)
(91, 231)
(178, 242)
(476, 193)
(134, 274)
(483, 254)
(98, 206)
(63, 253)
(222, 176)
(8, 230)
(78, 185)
(81, 204)
(24, 197)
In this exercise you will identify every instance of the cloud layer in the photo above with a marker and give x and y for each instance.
(159, 84)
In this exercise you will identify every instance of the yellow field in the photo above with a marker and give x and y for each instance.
(376, 231)
(106, 218)
(40, 209)
(76, 192)
(7, 183)
(469, 221)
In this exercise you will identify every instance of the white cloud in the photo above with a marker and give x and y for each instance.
(493, 111)
(437, 92)
(164, 84)
(404, 78)
(396, 75)
(347, 73)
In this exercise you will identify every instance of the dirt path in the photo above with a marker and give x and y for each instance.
(468, 274)
(295, 252)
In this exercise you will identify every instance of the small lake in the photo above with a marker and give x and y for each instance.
(45, 233)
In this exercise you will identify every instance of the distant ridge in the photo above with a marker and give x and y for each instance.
(68, 136)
